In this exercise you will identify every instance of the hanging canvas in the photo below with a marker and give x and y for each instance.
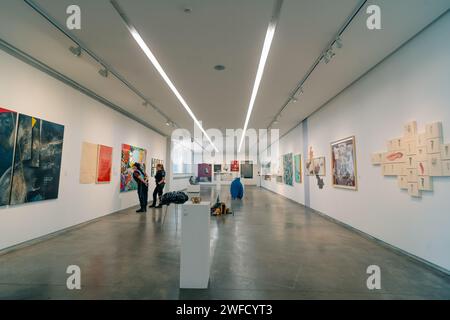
(247, 170)
(298, 168)
(288, 169)
(8, 121)
(154, 163)
(205, 172)
(234, 166)
(309, 163)
(319, 166)
(130, 156)
(104, 164)
(217, 168)
(88, 163)
(37, 160)
(343, 163)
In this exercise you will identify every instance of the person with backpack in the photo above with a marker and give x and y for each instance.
(141, 179)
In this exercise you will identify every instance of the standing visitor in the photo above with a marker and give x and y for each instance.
(141, 179)
(160, 180)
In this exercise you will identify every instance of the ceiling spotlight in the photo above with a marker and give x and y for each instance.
(76, 51)
(338, 43)
(187, 10)
(168, 123)
(294, 99)
(103, 72)
(219, 67)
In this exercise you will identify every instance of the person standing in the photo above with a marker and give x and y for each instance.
(160, 180)
(141, 179)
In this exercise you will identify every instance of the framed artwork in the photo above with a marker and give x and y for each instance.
(247, 170)
(234, 167)
(154, 163)
(343, 164)
(130, 156)
(217, 168)
(298, 168)
(8, 122)
(37, 160)
(288, 169)
(205, 172)
(104, 164)
(88, 163)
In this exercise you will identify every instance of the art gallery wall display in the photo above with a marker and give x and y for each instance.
(8, 121)
(37, 160)
(130, 156)
(266, 168)
(217, 168)
(104, 164)
(205, 172)
(343, 163)
(315, 167)
(234, 167)
(298, 168)
(88, 163)
(288, 169)
(247, 170)
(154, 163)
(415, 158)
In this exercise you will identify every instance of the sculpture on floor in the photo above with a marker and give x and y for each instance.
(237, 189)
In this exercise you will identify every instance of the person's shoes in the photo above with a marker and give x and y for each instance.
(152, 205)
(159, 206)
(140, 210)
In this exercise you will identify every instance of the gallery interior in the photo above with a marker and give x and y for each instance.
(300, 148)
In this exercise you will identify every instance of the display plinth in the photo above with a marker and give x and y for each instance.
(195, 246)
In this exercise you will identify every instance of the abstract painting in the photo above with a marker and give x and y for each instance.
(37, 160)
(298, 168)
(288, 169)
(319, 166)
(247, 170)
(205, 172)
(8, 121)
(104, 164)
(88, 163)
(343, 163)
(234, 166)
(130, 156)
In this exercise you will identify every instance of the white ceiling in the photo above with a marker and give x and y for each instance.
(217, 32)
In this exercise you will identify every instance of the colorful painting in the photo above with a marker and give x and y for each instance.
(37, 160)
(247, 170)
(104, 164)
(204, 172)
(154, 163)
(288, 169)
(343, 164)
(88, 163)
(234, 166)
(8, 121)
(298, 168)
(130, 156)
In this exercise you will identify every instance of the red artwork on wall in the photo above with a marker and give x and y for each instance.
(234, 166)
(104, 164)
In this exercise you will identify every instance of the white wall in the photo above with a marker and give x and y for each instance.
(412, 84)
(29, 91)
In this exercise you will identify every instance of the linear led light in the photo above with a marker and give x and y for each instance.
(137, 37)
(262, 63)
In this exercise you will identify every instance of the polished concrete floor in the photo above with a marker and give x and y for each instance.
(271, 248)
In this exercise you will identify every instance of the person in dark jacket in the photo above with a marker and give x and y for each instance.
(141, 179)
(237, 189)
(160, 180)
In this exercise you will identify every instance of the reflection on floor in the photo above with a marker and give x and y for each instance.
(271, 249)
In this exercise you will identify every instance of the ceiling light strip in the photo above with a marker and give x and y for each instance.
(82, 47)
(137, 37)
(262, 63)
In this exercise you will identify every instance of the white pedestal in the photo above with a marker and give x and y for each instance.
(193, 188)
(195, 246)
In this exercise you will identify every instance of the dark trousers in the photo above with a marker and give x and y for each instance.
(143, 195)
(158, 192)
